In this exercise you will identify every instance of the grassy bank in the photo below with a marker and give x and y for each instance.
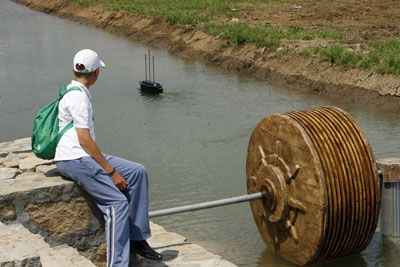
(223, 18)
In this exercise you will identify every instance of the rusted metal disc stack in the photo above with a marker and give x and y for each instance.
(319, 174)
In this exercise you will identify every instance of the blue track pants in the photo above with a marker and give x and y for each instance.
(125, 213)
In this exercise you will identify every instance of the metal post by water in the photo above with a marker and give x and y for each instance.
(207, 205)
(390, 198)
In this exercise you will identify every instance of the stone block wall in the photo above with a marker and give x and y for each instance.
(34, 194)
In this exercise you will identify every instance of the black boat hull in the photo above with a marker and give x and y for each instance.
(149, 87)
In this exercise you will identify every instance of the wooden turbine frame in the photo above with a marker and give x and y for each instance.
(313, 185)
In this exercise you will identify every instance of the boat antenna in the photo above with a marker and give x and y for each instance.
(153, 71)
(149, 67)
(145, 66)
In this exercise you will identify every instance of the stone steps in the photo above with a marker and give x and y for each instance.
(19, 247)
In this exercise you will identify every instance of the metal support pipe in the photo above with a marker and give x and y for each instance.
(207, 205)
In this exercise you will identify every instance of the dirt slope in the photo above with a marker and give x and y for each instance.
(293, 71)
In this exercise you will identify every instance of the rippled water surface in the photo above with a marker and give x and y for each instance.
(193, 138)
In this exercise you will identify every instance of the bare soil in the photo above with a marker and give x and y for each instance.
(368, 20)
(364, 19)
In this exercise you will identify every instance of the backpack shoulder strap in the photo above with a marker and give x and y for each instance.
(64, 130)
(64, 90)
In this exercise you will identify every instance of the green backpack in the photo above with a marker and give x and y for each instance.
(45, 133)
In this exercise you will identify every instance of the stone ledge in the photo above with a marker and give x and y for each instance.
(27, 182)
(390, 168)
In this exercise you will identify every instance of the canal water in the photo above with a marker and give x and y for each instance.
(192, 139)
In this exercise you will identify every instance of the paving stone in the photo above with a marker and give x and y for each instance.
(11, 161)
(29, 175)
(186, 249)
(18, 244)
(18, 146)
(225, 263)
(3, 148)
(155, 228)
(8, 173)
(25, 155)
(202, 263)
(21, 145)
(199, 256)
(165, 239)
(29, 164)
(184, 256)
(62, 256)
(2, 159)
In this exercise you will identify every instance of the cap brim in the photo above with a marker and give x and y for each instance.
(102, 64)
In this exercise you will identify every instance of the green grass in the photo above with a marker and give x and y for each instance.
(384, 57)
(190, 12)
(266, 36)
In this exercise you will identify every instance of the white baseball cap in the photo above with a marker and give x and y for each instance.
(86, 61)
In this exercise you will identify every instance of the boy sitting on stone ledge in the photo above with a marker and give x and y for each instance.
(119, 187)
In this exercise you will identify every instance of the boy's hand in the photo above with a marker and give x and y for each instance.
(119, 181)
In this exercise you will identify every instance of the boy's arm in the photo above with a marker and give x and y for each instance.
(89, 145)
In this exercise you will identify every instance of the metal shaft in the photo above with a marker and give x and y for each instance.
(207, 205)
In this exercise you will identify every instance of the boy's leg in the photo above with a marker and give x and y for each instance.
(137, 194)
(89, 175)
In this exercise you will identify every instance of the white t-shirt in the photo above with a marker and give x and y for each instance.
(75, 106)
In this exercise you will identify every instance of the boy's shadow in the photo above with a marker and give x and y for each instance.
(54, 172)
(167, 254)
